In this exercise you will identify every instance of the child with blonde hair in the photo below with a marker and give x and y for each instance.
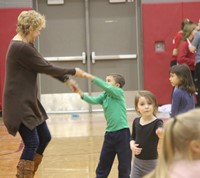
(180, 154)
(146, 132)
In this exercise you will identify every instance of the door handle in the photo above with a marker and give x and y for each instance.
(68, 58)
(112, 57)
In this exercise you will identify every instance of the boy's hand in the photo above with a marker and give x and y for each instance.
(72, 85)
(83, 74)
(79, 73)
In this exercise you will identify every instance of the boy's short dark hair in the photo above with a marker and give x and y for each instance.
(118, 79)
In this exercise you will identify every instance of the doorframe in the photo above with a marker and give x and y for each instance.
(139, 46)
(88, 49)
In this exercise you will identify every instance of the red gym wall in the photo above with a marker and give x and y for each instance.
(8, 19)
(161, 21)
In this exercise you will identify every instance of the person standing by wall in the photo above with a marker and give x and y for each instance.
(22, 111)
(184, 54)
(195, 48)
(176, 42)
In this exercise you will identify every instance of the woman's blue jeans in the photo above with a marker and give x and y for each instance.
(35, 141)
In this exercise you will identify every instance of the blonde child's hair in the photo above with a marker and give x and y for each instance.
(27, 19)
(178, 134)
(149, 96)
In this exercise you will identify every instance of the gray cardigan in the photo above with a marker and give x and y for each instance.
(20, 102)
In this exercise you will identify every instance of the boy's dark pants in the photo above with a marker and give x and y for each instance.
(115, 143)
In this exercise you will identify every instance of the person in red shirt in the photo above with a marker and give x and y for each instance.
(176, 42)
(184, 54)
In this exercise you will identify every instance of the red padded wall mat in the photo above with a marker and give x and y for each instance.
(161, 21)
(8, 21)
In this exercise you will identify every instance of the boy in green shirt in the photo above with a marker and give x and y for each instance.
(117, 135)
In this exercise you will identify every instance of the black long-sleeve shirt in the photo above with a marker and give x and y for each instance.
(145, 136)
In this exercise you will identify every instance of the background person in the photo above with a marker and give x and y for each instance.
(176, 42)
(185, 56)
(195, 49)
(184, 89)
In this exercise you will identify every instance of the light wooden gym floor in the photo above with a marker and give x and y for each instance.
(73, 151)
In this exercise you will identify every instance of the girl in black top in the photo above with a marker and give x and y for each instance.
(146, 131)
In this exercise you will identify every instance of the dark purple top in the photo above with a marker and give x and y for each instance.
(182, 101)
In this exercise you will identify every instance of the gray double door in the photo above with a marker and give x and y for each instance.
(95, 35)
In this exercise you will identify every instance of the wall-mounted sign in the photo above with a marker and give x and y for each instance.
(159, 46)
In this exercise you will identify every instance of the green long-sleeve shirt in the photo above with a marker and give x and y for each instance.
(113, 103)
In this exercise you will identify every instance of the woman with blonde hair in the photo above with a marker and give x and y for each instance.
(22, 111)
(180, 154)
